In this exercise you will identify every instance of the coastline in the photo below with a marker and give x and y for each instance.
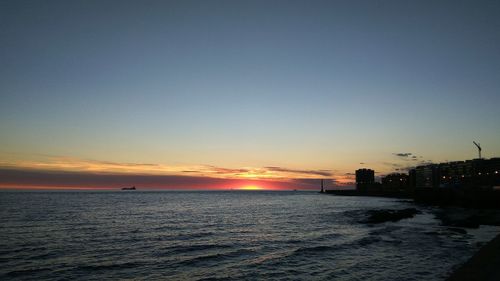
(473, 198)
(484, 265)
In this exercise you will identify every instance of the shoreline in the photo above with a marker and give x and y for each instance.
(471, 198)
(483, 265)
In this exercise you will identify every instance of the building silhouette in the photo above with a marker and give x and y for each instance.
(395, 182)
(365, 179)
(475, 173)
(471, 183)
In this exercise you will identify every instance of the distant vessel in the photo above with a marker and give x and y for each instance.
(129, 188)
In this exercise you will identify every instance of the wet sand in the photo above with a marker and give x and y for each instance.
(484, 265)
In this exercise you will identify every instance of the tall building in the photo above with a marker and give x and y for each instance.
(395, 183)
(469, 173)
(412, 179)
(365, 178)
(427, 176)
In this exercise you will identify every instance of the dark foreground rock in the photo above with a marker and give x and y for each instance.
(484, 265)
(457, 230)
(380, 216)
(470, 197)
(468, 218)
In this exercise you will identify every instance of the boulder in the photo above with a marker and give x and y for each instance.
(380, 216)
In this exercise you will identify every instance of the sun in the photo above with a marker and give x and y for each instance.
(250, 187)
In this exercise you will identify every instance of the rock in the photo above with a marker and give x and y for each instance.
(457, 230)
(482, 266)
(470, 222)
(380, 216)
(457, 217)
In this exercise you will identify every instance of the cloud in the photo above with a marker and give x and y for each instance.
(394, 165)
(399, 167)
(58, 163)
(403, 154)
(70, 179)
(314, 182)
(407, 156)
(16, 178)
(110, 163)
(344, 185)
(425, 162)
(219, 170)
(325, 173)
(93, 168)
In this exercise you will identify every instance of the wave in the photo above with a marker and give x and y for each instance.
(184, 236)
(191, 248)
(315, 249)
(27, 272)
(112, 266)
(217, 257)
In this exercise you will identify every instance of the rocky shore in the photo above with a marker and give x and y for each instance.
(477, 198)
(380, 216)
(457, 212)
(483, 266)
(467, 217)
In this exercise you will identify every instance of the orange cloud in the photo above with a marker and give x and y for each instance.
(34, 179)
(93, 173)
(95, 166)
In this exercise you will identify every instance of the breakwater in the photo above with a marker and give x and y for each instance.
(460, 197)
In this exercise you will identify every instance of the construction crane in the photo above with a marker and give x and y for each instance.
(478, 148)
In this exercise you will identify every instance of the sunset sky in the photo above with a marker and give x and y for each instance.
(242, 94)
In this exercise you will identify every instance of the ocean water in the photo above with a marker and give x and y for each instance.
(230, 235)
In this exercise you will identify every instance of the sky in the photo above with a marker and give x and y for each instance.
(242, 94)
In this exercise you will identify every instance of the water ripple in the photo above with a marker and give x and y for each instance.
(218, 236)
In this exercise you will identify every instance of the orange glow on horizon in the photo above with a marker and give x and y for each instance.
(251, 187)
(53, 172)
(73, 164)
(54, 187)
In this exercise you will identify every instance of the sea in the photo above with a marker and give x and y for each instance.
(222, 235)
